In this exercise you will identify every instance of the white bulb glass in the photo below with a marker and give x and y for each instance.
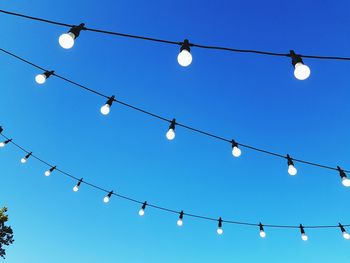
(40, 79)
(262, 234)
(141, 212)
(301, 71)
(346, 235)
(292, 170)
(304, 237)
(170, 135)
(75, 188)
(180, 222)
(184, 58)
(47, 173)
(2, 144)
(66, 40)
(23, 160)
(346, 182)
(105, 109)
(106, 199)
(220, 231)
(236, 152)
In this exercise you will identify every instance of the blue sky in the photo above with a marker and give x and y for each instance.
(254, 99)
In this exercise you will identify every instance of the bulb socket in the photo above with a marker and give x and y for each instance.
(110, 100)
(302, 231)
(181, 216)
(79, 182)
(261, 227)
(172, 124)
(341, 172)
(144, 205)
(76, 29)
(234, 144)
(342, 228)
(220, 222)
(52, 169)
(110, 194)
(290, 160)
(185, 45)
(295, 58)
(48, 73)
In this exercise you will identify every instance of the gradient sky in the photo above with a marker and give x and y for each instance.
(254, 99)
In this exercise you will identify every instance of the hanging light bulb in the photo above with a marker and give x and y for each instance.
(170, 135)
(303, 235)
(41, 78)
(107, 197)
(220, 231)
(236, 152)
(262, 232)
(48, 172)
(301, 71)
(76, 187)
(185, 58)
(180, 220)
(25, 158)
(3, 144)
(142, 210)
(345, 234)
(66, 40)
(345, 180)
(105, 109)
(291, 168)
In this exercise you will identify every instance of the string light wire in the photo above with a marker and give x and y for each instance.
(171, 120)
(165, 209)
(170, 42)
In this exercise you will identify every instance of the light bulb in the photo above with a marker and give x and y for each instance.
(346, 235)
(23, 160)
(220, 231)
(236, 152)
(105, 109)
(184, 58)
(141, 212)
(75, 188)
(292, 170)
(170, 135)
(106, 199)
(40, 78)
(262, 234)
(2, 144)
(47, 173)
(346, 182)
(301, 71)
(304, 237)
(180, 222)
(66, 40)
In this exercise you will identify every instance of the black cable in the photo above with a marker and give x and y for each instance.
(208, 134)
(165, 209)
(173, 42)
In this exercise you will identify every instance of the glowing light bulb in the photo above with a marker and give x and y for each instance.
(75, 188)
(23, 160)
(141, 212)
(220, 231)
(66, 40)
(107, 197)
(346, 235)
(40, 78)
(2, 144)
(180, 222)
(105, 109)
(301, 71)
(304, 237)
(185, 58)
(47, 173)
(236, 152)
(346, 182)
(262, 234)
(292, 170)
(170, 135)
(342, 229)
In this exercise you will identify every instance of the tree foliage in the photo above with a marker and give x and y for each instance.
(6, 233)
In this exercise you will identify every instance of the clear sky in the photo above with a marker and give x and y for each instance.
(254, 99)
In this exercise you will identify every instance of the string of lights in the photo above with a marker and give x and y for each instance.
(144, 204)
(67, 40)
(170, 134)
